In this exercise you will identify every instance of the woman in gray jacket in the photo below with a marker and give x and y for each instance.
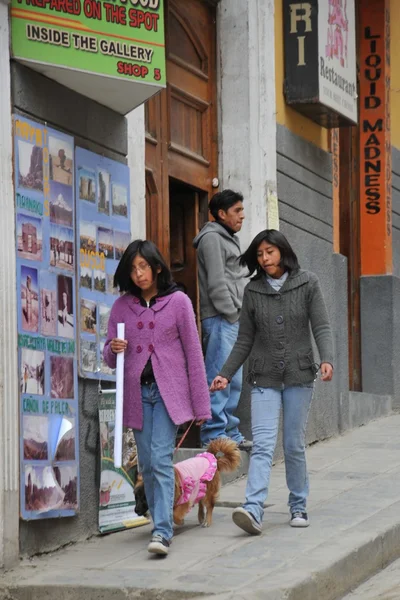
(280, 302)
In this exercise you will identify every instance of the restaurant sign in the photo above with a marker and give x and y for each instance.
(320, 60)
(110, 51)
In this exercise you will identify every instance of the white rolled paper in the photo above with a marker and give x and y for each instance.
(119, 400)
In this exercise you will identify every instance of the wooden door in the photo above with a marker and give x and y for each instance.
(181, 136)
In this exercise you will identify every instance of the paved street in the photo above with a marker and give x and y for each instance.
(355, 531)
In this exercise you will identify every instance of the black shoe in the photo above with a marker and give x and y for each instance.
(299, 519)
(158, 545)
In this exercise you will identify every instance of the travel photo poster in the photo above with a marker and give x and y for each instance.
(45, 239)
(103, 233)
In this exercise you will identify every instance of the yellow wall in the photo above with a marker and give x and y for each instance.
(395, 71)
(285, 115)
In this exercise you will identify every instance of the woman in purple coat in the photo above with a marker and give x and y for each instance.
(165, 382)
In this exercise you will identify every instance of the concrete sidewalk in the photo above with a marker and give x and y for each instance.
(354, 509)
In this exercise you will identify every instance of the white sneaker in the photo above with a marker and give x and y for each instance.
(299, 519)
(243, 519)
(158, 545)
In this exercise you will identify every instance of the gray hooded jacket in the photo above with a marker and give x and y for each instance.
(221, 278)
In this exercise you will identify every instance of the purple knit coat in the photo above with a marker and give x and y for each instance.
(167, 333)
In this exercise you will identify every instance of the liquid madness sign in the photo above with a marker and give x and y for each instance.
(375, 146)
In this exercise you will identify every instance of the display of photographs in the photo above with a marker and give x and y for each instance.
(119, 200)
(65, 449)
(67, 479)
(61, 160)
(29, 237)
(61, 204)
(104, 228)
(86, 278)
(89, 356)
(105, 239)
(103, 191)
(87, 185)
(99, 281)
(104, 315)
(42, 491)
(122, 240)
(87, 236)
(35, 431)
(29, 299)
(30, 166)
(45, 247)
(110, 285)
(62, 377)
(65, 307)
(62, 247)
(88, 316)
(32, 371)
(104, 368)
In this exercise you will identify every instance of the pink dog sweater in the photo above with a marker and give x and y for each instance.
(194, 473)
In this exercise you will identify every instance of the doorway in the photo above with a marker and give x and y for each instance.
(187, 214)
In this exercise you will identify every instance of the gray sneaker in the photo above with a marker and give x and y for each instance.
(299, 519)
(158, 545)
(243, 519)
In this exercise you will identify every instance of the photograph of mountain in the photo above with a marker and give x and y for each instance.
(35, 432)
(42, 490)
(66, 444)
(61, 204)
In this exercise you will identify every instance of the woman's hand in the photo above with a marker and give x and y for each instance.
(326, 372)
(118, 345)
(219, 383)
(200, 422)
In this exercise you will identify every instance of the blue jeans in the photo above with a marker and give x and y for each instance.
(265, 410)
(155, 446)
(219, 337)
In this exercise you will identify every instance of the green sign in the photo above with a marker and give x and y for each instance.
(117, 39)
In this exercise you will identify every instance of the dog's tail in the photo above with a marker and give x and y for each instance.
(227, 454)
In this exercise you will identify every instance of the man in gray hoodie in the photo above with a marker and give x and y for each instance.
(222, 282)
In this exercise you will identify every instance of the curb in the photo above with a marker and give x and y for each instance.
(334, 581)
(327, 583)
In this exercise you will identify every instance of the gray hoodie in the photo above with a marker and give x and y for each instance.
(221, 278)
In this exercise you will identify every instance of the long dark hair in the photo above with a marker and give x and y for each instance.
(152, 255)
(274, 237)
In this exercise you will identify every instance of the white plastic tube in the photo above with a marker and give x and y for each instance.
(119, 401)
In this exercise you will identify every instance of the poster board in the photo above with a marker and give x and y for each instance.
(46, 307)
(103, 233)
(116, 495)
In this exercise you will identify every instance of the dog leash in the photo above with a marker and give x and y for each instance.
(184, 436)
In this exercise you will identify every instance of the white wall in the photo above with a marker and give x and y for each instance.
(9, 380)
(247, 125)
